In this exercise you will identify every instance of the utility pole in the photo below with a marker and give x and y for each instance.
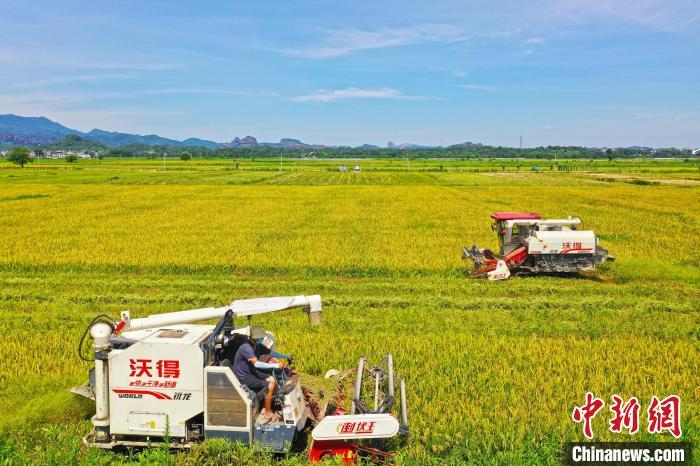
(521, 142)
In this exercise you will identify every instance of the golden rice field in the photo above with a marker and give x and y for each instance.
(494, 369)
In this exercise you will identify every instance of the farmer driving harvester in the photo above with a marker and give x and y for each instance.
(254, 373)
(263, 348)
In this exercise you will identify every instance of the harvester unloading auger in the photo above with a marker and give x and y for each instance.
(163, 378)
(530, 245)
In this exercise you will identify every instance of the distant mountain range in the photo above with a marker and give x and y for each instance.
(40, 131)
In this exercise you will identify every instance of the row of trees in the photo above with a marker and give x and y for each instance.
(21, 156)
(77, 143)
(468, 152)
(550, 152)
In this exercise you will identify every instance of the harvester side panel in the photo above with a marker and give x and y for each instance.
(155, 385)
(562, 242)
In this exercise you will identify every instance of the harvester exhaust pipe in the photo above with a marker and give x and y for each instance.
(100, 334)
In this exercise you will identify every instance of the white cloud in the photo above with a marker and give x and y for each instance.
(59, 80)
(124, 65)
(40, 101)
(137, 120)
(503, 34)
(8, 56)
(531, 45)
(535, 41)
(478, 87)
(46, 57)
(326, 95)
(185, 90)
(346, 41)
(509, 88)
(670, 15)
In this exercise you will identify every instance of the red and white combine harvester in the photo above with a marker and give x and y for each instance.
(530, 245)
(163, 378)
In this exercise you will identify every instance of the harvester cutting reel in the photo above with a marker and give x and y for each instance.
(486, 263)
(366, 430)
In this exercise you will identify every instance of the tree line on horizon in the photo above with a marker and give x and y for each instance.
(76, 143)
(549, 152)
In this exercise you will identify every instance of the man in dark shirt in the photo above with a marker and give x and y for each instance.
(249, 371)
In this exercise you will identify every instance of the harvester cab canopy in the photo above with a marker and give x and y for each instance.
(500, 216)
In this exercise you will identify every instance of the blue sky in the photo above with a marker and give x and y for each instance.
(579, 72)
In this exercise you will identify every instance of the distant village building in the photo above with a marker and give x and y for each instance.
(5, 153)
(61, 154)
(57, 154)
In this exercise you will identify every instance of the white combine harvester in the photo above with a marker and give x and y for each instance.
(531, 245)
(163, 378)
